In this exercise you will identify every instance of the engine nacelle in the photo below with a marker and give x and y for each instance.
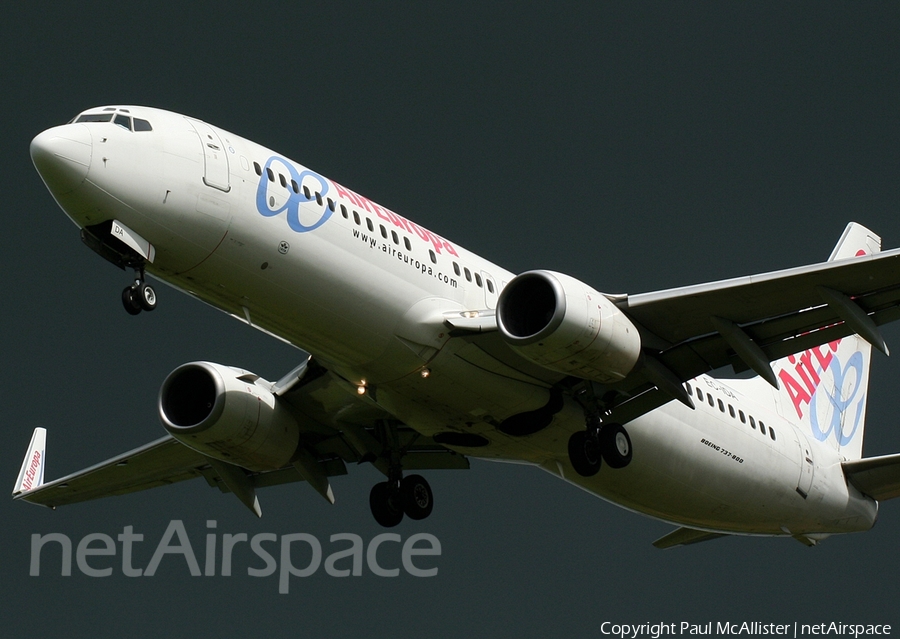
(563, 324)
(221, 412)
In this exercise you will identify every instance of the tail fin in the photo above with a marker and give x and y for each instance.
(32, 474)
(825, 388)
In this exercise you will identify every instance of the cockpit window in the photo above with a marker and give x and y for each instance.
(95, 117)
(124, 121)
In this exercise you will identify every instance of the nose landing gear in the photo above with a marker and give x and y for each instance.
(140, 296)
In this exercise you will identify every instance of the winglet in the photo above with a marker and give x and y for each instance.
(32, 473)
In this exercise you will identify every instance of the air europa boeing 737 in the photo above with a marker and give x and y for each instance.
(424, 355)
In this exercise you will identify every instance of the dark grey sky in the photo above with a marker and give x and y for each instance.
(634, 145)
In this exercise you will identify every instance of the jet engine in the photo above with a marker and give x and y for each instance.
(222, 412)
(563, 324)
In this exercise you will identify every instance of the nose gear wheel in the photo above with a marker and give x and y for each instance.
(140, 296)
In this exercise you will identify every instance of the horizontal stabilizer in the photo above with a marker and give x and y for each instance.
(877, 477)
(684, 537)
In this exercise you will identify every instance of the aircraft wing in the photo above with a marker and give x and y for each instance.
(782, 312)
(337, 431)
(744, 322)
(158, 463)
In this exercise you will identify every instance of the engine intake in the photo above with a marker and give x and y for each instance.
(221, 412)
(563, 324)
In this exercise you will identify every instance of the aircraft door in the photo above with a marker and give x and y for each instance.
(491, 291)
(807, 465)
(215, 160)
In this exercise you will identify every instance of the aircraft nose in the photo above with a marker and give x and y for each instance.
(62, 155)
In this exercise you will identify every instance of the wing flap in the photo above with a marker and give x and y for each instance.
(877, 477)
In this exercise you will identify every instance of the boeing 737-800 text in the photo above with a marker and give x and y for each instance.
(424, 354)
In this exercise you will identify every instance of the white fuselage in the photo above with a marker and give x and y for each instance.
(365, 291)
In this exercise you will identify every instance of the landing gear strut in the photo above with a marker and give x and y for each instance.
(599, 441)
(140, 296)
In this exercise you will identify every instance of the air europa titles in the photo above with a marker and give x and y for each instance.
(801, 383)
(822, 389)
(32, 470)
(387, 215)
(306, 186)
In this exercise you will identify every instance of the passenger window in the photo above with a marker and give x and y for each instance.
(123, 121)
(369, 224)
(295, 187)
(407, 244)
(762, 428)
(700, 394)
(721, 405)
(490, 286)
(395, 237)
(772, 433)
(309, 197)
(270, 174)
(344, 211)
(709, 398)
(282, 180)
(319, 202)
(478, 279)
(468, 274)
(383, 231)
(142, 125)
(752, 422)
(741, 415)
(331, 204)
(689, 389)
(456, 268)
(356, 217)
(257, 168)
(433, 256)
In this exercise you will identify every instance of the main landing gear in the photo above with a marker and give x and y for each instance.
(399, 495)
(599, 441)
(410, 496)
(140, 296)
